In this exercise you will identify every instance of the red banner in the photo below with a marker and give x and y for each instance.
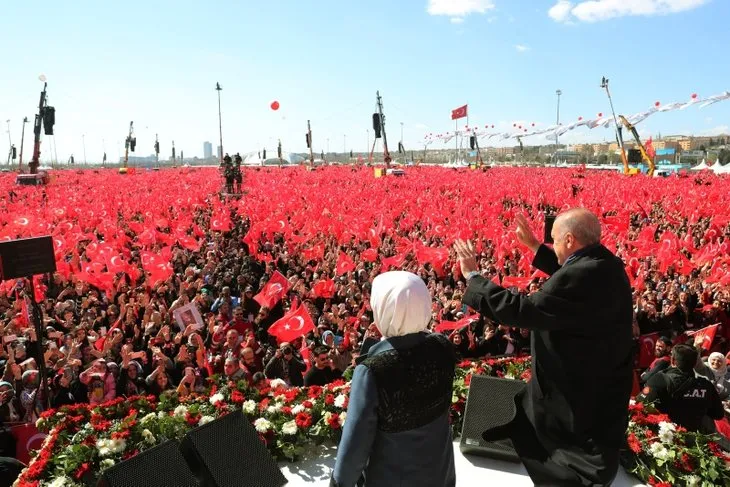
(28, 438)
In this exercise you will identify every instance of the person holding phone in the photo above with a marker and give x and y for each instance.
(569, 426)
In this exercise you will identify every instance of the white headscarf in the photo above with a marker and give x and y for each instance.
(719, 373)
(401, 304)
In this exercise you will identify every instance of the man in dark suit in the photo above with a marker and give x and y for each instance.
(571, 420)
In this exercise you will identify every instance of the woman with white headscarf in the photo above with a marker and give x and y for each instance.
(397, 430)
(717, 363)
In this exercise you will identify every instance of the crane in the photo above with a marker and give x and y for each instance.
(649, 162)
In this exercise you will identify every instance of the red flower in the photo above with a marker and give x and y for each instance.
(81, 471)
(192, 419)
(264, 404)
(303, 420)
(467, 380)
(237, 397)
(329, 399)
(526, 375)
(314, 392)
(464, 364)
(634, 443)
(286, 409)
(130, 454)
(124, 434)
(334, 421)
(291, 395)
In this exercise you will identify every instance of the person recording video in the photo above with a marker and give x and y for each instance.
(572, 416)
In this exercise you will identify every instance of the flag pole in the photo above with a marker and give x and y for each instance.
(456, 140)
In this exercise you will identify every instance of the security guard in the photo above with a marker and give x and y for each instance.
(687, 399)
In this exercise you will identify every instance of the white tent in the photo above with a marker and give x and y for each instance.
(718, 169)
(702, 165)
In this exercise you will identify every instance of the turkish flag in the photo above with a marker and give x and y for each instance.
(456, 325)
(458, 113)
(27, 438)
(293, 325)
(646, 349)
(324, 288)
(345, 264)
(273, 291)
(707, 333)
(369, 255)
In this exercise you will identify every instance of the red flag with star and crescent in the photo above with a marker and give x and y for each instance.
(273, 291)
(646, 349)
(460, 112)
(345, 264)
(293, 325)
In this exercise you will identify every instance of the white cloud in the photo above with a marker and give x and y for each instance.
(598, 10)
(560, 11)
(458, 9)
(522, 48)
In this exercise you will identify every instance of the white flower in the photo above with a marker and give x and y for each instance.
(39, 423)
(693, 481)
(107, 462)
(280, 398)
(262, 425)
(118, 445)
(161, 414)
(299, 408)
(249, 407)
(340, 401)
(205, 420)
(273, 409)
(327, 416)
(148, 418)
(180, 411)
(666, 432)
(104, 447)
(659, 451)
(289, 428)
(216, 398)
(343, 417)
(60, 482)
(277, 383)
(631, 402)
(148, 436)
(509, 375)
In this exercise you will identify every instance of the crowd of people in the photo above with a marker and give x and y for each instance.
(98, 345)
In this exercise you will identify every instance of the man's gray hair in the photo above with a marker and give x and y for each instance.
(582, 224)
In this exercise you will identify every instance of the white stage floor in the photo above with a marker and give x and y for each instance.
(470, 471)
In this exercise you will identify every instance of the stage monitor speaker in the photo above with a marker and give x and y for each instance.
(228, 452)
(490, 404)
(634, 156)
(160, 466)
(376, 125)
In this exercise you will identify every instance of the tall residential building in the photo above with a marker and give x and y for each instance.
(220, 154)
(207, 150)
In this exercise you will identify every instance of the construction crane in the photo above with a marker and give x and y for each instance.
(644, 156)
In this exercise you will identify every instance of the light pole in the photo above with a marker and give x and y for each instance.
(557, 122)
(328, 145)
(83, 143)
(367, 144)
(344, 146)
(22, 140)
(220, 123)
(10, 142)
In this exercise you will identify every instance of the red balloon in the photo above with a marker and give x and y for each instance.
(600, 115)
(580, 118)
(274, 105)
(492, 126)
(519, 127)
(657, 104)
(694, 96)
(525, 130)
(533, 124)
(514, 125)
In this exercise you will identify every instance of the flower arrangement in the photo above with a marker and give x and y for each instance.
(663, 454)
(85, 440)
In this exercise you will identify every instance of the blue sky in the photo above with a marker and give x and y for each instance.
(157, 62)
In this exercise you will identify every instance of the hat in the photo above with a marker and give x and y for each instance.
(249, 289)
(338, 341)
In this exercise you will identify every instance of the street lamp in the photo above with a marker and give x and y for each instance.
(344, 146)
(557, 92)
(83, 142)
(10, 142)
(220, 123)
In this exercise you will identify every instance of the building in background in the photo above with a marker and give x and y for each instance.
(207, 150)
(218, 151)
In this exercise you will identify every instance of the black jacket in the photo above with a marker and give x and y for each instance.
(581, 346)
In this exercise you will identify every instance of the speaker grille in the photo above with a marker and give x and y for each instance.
(160, 466)
(490, 403)
(228, 452)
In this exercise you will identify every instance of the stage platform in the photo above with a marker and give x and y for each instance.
(470, 471)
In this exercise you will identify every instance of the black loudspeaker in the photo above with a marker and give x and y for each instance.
(376, 125)
(264, 158)
(160, 466)
(472, 142)
(49, 120)
(634, 156)
(491, 403)
(228, 452)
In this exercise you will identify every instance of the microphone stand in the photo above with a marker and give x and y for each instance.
(36, 317)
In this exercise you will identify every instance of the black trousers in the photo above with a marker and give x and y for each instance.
(589, 465)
